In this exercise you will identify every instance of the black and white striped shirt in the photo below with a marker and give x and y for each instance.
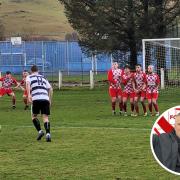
(39, 87)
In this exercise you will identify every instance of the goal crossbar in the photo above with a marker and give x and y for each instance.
(162, 39)
(165, 45)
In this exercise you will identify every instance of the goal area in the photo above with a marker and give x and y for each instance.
(164, 55)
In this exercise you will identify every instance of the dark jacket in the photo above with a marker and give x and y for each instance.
(166, 149)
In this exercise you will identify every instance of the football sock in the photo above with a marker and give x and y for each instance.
(113, 106)
(125, 107)
(150, 107)
(47, 127)
(25, 101)
(144, 107)
(132, 107)
(13, 101)
(137, 107)
(156, 107)
(37, 124)
(121, 106)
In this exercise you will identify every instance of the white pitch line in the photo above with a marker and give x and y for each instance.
(112, 128)
(83, 127)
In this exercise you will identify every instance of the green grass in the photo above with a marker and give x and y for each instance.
(99, 79)
(72, 79)
(87, 141)
(45, 18)
(174, 74)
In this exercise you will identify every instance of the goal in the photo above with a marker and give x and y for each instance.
(12, 55)
(164, 55)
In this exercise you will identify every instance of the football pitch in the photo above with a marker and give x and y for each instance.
(88, 143)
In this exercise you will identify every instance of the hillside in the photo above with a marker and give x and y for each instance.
(34, 17)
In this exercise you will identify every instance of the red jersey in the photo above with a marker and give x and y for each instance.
(8, 82)
(114, 78)
(152, 81)
(127, 81)
(23, 83)
(140, 80)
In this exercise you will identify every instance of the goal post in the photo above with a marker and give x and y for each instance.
(162, 79)
(164, 55)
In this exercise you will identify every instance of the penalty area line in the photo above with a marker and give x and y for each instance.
(54, 128)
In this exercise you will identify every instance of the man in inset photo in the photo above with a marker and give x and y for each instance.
(167, 147)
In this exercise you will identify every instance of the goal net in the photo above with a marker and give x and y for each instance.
(164, 55)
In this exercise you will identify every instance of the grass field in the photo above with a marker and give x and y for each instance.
(34, 17)
(88, 143)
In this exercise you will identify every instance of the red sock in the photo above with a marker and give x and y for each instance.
(113, 106)
(144, 107)
(13, 101)
(156, 107)
(132, 107)
(137, 108)
(150, 107)
(125, 107)
(121, 106)
(25, 101)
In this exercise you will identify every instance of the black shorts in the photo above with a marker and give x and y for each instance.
(41, 106)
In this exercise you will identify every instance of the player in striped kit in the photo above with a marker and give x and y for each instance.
(7, 82)
(128, 92)
(115, 91)
(139, 86)
(152, 83)
(39, 94)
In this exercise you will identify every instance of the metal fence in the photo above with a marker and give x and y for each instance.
(50, 56)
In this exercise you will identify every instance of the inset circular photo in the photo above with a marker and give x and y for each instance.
(165, 140)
